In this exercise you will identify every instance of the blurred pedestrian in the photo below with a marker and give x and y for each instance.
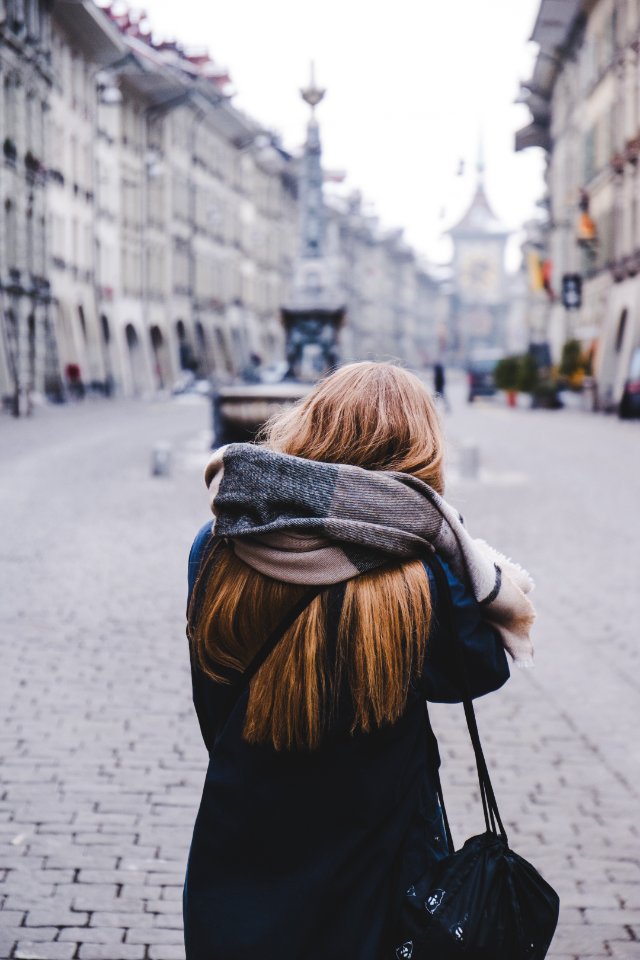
(439, 384)
(252, 370)
(311, 609)
(75, 384)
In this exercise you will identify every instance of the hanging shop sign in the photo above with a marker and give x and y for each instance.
(572, 291)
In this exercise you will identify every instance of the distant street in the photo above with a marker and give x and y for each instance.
(101, 758)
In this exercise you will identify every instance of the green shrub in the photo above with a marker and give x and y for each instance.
(506, 373)
(572, 359)
(527, 373)
(516, 373)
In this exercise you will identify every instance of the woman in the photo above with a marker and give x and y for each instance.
(319, 804)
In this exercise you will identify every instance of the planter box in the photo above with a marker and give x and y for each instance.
(521, 400)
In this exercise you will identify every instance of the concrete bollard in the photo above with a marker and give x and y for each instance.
(161, 459)
(469, 461)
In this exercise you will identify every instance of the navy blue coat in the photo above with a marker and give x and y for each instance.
(305, 855)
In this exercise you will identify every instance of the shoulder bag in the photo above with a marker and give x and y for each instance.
(483, 901)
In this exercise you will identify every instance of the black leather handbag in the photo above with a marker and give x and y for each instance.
(483, 901)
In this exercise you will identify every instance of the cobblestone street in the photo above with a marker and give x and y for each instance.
(101, 758)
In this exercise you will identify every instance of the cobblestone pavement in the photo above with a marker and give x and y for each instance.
(102, 764)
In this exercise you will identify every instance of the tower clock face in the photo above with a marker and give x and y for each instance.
(479, 275)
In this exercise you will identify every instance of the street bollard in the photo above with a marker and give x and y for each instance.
(589, 394)
(469, 461)
(161, 459)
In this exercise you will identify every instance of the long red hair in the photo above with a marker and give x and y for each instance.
(372, 415)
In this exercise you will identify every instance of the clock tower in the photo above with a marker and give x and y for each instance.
(480, 299)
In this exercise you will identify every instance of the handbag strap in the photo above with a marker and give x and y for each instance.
(492, 818)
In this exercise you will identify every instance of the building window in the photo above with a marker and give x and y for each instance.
(10, 95)
(131, 336)
(33, 19)
(589, 154)
(29, 120)
(16, 13)
(11, 233)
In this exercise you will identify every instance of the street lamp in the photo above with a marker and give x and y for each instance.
(109, 94)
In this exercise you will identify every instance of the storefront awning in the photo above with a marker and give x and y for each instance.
(533, 135)
(554, 22)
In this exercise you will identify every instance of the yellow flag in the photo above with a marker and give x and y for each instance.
(536, 276)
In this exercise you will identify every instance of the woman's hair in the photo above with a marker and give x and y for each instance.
(372, 415)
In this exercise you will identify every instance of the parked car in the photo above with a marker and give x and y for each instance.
(630, 400)
(480, 370)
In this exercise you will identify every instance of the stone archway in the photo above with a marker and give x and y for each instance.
(136, 359)
(105, 339)
(223, 350)
(161, 364)
(202, 349)
(11, 337)
(32, 352)
(186, 353)
(621, 330)
(83, 323)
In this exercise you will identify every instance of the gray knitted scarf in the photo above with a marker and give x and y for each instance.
(306, 522)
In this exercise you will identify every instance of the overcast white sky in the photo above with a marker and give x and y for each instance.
(410, 85)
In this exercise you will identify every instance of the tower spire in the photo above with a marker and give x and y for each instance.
(312, 206)
(312, 94)
(480, 160)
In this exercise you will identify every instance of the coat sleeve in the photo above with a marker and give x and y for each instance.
(205, 704)
(198, 550)
(485, 658)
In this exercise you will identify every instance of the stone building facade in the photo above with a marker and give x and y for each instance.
(82, 41)
(27, 344)
(149, 228)
(191, 218)
(394, 303)
(584, 98)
